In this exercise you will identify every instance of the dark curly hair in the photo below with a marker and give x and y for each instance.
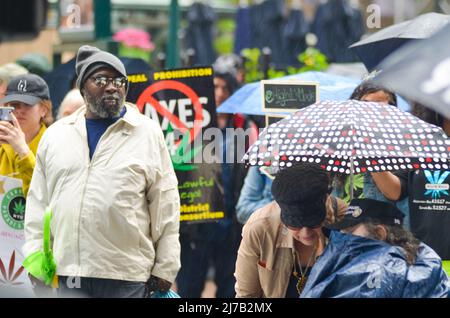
(368, 87)
(397, 236)
(426, 114)
(232, 83)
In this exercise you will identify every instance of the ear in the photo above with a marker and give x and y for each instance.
(381, 232)
(42, 111)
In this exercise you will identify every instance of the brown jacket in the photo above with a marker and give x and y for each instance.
(265, 258)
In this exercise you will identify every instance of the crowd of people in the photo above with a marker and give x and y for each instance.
(105, 170)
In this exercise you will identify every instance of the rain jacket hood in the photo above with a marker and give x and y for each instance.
(353, 266)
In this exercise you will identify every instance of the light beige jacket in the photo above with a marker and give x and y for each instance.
(115, 216)
(265, 258)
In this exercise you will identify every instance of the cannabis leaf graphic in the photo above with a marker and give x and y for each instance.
(183, 155)
(19, 207)
(10, 277)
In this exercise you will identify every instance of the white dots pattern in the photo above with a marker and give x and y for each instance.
(377, 138)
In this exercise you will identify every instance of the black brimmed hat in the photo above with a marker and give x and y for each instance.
(362, 210)
(29, 89)
(301, 192)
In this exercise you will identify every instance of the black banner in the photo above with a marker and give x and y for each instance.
(182, 102)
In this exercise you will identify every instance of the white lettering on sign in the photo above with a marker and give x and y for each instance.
(171, 108)
(185, 112)
(439, 80)
(434, 186)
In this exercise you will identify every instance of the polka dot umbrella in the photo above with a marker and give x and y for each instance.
(352, 137)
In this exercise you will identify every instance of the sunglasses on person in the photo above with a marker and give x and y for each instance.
(102, 81)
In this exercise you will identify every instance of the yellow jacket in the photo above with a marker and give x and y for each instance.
(12, 166)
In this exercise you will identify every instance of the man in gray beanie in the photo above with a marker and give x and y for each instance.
(107, 175)
(90, 60)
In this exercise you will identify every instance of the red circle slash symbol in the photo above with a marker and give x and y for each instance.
(147, 97)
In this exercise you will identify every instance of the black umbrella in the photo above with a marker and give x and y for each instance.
(62, 79)
(420, 71)
(352, 137)
(373, 49)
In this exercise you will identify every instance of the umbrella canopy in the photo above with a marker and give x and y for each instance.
(61, 80)
(374, 48)
(248, 100)
(352, 137)
(420, 71)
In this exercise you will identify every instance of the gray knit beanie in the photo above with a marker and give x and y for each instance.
(90, 58)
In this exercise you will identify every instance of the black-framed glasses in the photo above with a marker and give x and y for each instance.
(102, 81)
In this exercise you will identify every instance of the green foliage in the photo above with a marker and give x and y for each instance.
(311, 60)
(134, 52)
(223, 43)
(251, 65)
(273, 73)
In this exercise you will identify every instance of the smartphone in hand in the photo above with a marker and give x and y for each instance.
(5, 113)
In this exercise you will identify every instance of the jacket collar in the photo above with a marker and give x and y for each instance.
(35, 142)
(285, 238)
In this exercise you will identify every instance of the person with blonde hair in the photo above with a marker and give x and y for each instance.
(282, 240)
(7, 72)
(29, 95)
(71, 102)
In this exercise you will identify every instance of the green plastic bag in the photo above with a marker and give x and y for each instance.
(41, 264)
(446, 267)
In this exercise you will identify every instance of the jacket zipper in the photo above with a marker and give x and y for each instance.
(90, 161)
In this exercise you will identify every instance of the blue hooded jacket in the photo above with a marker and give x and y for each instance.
(358, 267)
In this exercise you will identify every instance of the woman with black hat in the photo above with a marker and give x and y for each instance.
(31, 113)
(281, 241)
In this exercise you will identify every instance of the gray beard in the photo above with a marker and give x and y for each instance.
(97, 106)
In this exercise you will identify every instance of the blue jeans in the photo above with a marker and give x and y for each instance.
(86, 287)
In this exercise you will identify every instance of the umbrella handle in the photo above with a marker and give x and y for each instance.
(351, 178)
